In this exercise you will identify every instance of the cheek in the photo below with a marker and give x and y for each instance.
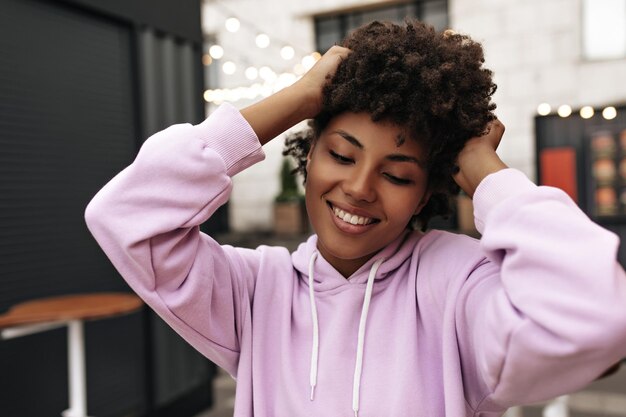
(404, 205)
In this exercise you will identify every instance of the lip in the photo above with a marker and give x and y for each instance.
(348, 228)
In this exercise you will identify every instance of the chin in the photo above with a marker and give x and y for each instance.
(347, 251)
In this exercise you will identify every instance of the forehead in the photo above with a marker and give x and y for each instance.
(379, 135)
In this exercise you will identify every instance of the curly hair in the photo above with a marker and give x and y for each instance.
(433, 84)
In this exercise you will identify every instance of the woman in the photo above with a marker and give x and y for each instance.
(370, 317)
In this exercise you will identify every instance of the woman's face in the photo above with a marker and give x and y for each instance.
(362, 188)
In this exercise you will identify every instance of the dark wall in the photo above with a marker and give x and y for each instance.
(81, 84)
(180, 18)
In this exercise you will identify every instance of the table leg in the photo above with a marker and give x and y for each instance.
(558, 407)
(76, 370)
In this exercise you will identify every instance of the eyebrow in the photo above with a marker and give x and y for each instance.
(349, 138)
(396, 157)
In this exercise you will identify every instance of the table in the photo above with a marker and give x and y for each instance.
(70, 310)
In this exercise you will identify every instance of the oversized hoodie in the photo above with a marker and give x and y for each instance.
(448, 325)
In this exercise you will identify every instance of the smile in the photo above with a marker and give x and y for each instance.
(350, 217)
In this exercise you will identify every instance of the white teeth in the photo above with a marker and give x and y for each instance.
(351, 218)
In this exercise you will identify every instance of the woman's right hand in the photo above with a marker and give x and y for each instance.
(312, 83)
(291, 105)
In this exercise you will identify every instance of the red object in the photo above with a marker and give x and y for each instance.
(558, 169)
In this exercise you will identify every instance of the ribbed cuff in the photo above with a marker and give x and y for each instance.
(229, 134)
(494, 189)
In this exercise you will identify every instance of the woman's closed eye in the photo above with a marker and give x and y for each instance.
(397, 180)
(340, 158)
(344, 160)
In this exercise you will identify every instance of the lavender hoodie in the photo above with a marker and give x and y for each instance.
(448, 325)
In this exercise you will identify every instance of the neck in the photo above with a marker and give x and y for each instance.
(346, 267)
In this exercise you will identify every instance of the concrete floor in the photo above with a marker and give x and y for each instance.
(224, 390)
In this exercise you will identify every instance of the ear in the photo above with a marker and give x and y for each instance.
(423, 202)
(309, 155)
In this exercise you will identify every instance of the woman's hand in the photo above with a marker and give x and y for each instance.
(312, 83)
(478, 158)
(300, 101)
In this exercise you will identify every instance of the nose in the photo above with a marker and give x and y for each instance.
(360, 185)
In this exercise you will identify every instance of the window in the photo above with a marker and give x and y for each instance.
(604, 29)
(330, 29)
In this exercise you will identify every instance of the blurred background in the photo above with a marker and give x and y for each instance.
(84, 82)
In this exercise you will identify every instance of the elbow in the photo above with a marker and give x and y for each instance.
(92, 216)
(605, 338)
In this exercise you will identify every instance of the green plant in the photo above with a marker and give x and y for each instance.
(288, 185)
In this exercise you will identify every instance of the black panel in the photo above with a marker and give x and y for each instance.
(115, 367)
(180, 17)
(67, 125)
(40, 357)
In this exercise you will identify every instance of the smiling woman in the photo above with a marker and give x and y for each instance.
(362, 188)
(369, 317)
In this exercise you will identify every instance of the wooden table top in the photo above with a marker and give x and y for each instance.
(70, 307)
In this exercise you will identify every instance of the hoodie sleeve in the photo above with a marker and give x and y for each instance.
(146, 219)
(546, 315)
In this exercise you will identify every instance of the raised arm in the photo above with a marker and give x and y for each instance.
(301, 101)
(547, 314)
(147, 218)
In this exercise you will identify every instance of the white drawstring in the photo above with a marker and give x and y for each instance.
(361, 337)
(316, 330)
(359, 353)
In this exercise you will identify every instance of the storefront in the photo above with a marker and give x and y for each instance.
(584, 153)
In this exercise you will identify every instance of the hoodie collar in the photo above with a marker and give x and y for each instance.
(328, 278)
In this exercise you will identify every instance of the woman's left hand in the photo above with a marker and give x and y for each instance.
(478, 158)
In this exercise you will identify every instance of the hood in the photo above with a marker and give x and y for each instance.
(328, 278)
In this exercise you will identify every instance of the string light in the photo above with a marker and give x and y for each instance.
(256, 90)
(587, 112)
(609, 113)
(229, 67)
(544, 109)
(232, 24)
(267, 74)
(308, 62)
(216, 51)
(262, 40)
(252, 73)
(299, 69)
(272, 78)
(287, 52)
(564, 110)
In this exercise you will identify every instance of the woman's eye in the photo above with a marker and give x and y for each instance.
(396, 180)
(340, 158)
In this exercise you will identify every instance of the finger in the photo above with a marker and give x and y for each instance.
(340, 50)
(495, 132)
